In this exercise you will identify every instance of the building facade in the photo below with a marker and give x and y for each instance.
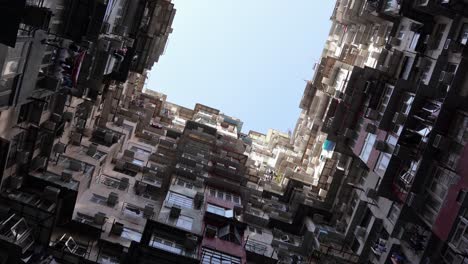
(97, 169)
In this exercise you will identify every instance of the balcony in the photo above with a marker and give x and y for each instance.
(414, 241)
(255, 215)
(404, 181)
(288, 242)
(65, 247)
(56, 179)
(260, 251)
(14, 229)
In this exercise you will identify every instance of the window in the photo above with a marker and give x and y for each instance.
(368, 146)
(256, 230)
(438, 35)
(184, 183)
(459, 128)
(131, 234)
(185, 222)
(414, 41)
(464, 34)
(382, 163)
(13, 58)
(459, 233)
(401, 32)
(140, 150)
(406, 103)
(138, 162)
(230, 197)
(166, 245)
(210, 256)
(219, 210)
(393, 213)
(180, 200)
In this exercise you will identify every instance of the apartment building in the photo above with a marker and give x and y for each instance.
(64, 63)
(388, 102)
(97, 169)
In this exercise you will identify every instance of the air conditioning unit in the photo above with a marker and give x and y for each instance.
(66, 176)
(198, 200)
(368, 87)
(100, 218)
(191, 242)
(55, 118)
(395, 41)
(80, 124)
(360, 231)
(16, 182)
(210, 231)
(446, 77)
(381, 145)
(424, 62)
(50, 194)
(120, 164)
(37, 17)
(284, 238)
(50, 83)
(371, 193)
(59, 148)
(440, 142)
(49, 125)
(447, 44)
(129, 154)
(198, 182)
(399, 118)
(104, 45)
(105, 28)
(350, 133)
(339, 94)
(175, 211)
(92, 149)
(117, 228)
(413, 200)
(109, 137)
(119, 121)
(22, 157)
(124, 183)
(75, 138)
(415, 26)
(67, 116)
(140, 187)
(317, 218)
(120, 30)
(112, 199)
(75, 165)
(39, 162)
(422, 2)
(371, 128)
(397, 150)
(372, 114)
(148, 211)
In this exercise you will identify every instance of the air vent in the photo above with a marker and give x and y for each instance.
(100, 218)
(371, 128)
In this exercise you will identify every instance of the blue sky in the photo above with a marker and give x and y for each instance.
(247, 58)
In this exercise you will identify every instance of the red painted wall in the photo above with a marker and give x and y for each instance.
(374, 155)
(219, 244)
(450, 209)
